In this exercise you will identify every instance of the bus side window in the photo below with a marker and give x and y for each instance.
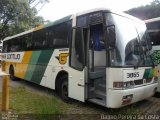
(4, 49)
(9, 46)
(28, 42)
(37, 36)
(40, 39)
(18, 44)
(45, 39)
(59, 35)
(50, 38)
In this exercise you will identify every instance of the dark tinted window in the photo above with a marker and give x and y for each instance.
(50, 37)
(154, 32)
(153, 25)
(59, 35)
(17, 44)
(28, 42)
(4, 46)
(82, 21)
(155, 38)
(39, 39)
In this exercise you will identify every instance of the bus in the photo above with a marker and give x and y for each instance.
(98, 55)
(153, 26)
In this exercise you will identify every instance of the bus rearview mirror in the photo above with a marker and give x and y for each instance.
(111, 34)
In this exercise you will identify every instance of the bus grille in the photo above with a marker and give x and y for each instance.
(148, 80)
(140, 82)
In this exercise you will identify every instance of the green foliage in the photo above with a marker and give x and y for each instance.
(30, 103)
(149, 11)
(17, 16)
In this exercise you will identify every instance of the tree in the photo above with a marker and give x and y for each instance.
(149, 11)
(38, 3)
(17, 16)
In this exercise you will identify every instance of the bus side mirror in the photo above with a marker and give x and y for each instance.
(79, 45)
(149, 42)
(149, 45)
(111, 35)
(77, 56)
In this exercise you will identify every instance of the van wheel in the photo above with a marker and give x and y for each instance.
(63, 89)
(11, 72)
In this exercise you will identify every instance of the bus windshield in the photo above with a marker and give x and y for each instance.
(132, 42)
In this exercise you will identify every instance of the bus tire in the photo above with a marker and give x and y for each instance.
(157, 94)
(11, 72)
(63, 89)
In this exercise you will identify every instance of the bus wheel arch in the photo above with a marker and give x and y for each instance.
(61, 85)
(11, 72)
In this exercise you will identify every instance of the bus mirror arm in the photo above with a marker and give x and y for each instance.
(110, 48)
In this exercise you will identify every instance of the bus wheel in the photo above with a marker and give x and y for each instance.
(157, 94)
(11, 72)
(63, 89)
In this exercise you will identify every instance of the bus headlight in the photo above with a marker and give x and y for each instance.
(123, 85)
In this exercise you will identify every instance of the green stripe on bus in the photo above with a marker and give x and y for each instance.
(41, 66)
(148, 73)
(32, 64)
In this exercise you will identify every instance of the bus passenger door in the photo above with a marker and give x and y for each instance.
(96, 65)
(76, 88)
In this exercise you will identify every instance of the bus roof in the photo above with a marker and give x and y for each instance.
(152, 20)
(69, 17)
(109, 10)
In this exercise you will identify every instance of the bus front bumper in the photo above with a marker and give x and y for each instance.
(120, 98)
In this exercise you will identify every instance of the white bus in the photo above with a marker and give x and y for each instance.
(153, 26)
(98, 55)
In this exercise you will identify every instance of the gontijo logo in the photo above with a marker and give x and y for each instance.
(13, 57)
(62, 58)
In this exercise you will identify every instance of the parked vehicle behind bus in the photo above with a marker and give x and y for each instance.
(98, 55)
(153, 26)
